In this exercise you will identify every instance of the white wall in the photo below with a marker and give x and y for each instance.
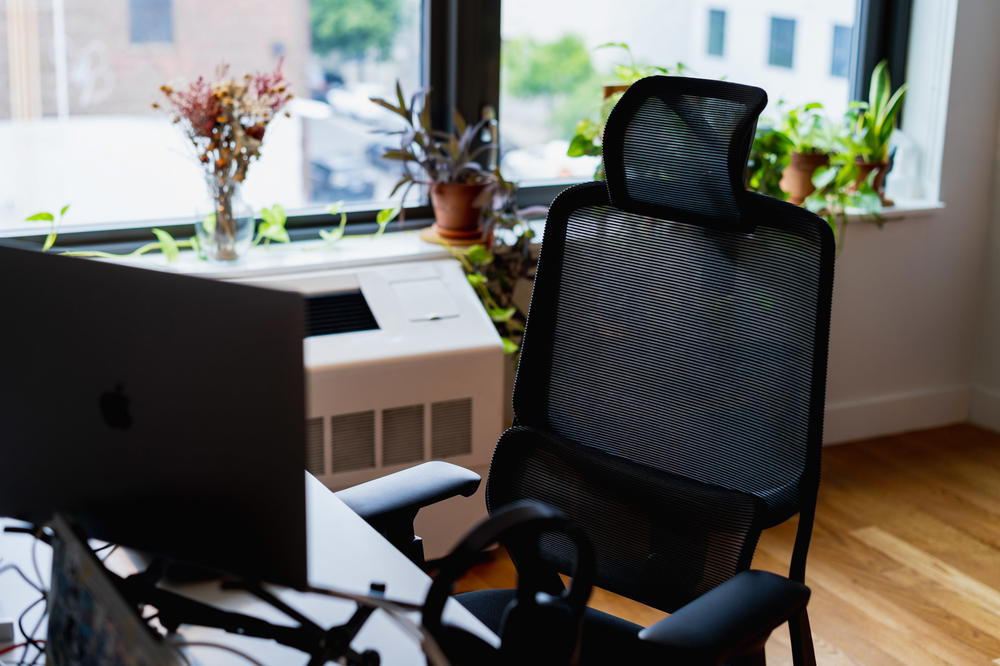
(908, 299)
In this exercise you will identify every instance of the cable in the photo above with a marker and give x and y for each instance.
(219, 646)
(110, 553)
(31, 642)
(11, 648)
(34, 558)
(14, 567)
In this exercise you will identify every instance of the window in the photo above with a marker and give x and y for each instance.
(76, 105)
(150, 21)
(840, 59)
(781, 52)
(75, 93)
(716, 32)
(554, 68)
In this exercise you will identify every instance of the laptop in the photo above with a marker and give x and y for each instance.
(90, 623)
(156, 410)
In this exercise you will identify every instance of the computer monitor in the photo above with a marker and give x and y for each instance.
(158, 411)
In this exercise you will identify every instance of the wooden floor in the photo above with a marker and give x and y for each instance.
(905, 559)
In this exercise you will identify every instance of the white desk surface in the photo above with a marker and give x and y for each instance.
(344, 553)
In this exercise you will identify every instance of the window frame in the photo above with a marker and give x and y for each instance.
(461, 44)
(714, 12)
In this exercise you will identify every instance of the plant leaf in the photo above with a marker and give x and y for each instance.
(478, 254)
(42, 217)
(168, 246)
(50, 240)
(509, 346)
(62, 211)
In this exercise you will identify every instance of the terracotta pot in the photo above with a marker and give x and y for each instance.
(796, 179)
(878, 184)
(458, 209)
(613, 88)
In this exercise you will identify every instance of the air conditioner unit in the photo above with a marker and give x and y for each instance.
(403, 365)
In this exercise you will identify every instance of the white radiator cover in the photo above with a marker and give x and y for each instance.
(427, 384)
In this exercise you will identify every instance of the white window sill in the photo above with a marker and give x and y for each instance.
(906, 208)
(392, 247)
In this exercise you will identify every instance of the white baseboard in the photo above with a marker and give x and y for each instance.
(985, 410)
(901, 412)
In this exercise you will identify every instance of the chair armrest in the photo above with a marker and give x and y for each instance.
(409, 490)
(739, 613)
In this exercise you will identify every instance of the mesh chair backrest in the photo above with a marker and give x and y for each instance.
(676, 148)
(693, 348)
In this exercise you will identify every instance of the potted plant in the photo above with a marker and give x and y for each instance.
(460, 186)
(870, 128)
(810, 141)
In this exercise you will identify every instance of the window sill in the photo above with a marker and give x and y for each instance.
(905, 208)
(392, 247)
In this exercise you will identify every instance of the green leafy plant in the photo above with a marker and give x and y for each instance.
(54, 220)
(838, 195)
(808, 130)
(872, 123)
(768, 158)
(441, 157)
(272, 226)
(494, 270)
(164, 243)
(586, 139)
(382, 219)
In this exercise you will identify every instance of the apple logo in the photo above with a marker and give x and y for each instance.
(115, 408)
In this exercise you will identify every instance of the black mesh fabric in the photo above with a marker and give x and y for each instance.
(678, 150)
(676, 343)
(659, 538)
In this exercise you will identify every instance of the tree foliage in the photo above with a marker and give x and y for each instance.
(534, 69)
(353, 28)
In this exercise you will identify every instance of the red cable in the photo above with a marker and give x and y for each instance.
(11, 648)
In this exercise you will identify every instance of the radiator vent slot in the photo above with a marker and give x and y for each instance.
(402, 435)
(314, 446)
(352, 441)
(451, 428)
(338, 313)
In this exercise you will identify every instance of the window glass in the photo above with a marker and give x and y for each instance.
(840, 60)
(716, 32)
(77, 80)
(150, 21)
(782, 49)
(553, 73)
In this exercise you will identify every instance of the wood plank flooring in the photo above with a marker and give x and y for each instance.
(905, 558)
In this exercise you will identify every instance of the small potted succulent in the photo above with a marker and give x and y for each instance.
(810, 140)
(460, 187)
(870, 128)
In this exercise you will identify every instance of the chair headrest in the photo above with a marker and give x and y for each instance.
(676, 148)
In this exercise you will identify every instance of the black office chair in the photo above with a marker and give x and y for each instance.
(669, 398)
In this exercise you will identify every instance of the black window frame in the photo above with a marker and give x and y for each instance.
(461, 47)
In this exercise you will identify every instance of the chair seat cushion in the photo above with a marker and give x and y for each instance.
(606, 639)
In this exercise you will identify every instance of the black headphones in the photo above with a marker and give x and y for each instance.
(538, 627)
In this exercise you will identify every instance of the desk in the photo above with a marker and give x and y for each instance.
(344, 552)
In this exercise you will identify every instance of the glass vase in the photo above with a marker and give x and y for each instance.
(226, 233)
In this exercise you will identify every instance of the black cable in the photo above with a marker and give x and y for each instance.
(29, 638)
(110, 553)
(17, 569)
